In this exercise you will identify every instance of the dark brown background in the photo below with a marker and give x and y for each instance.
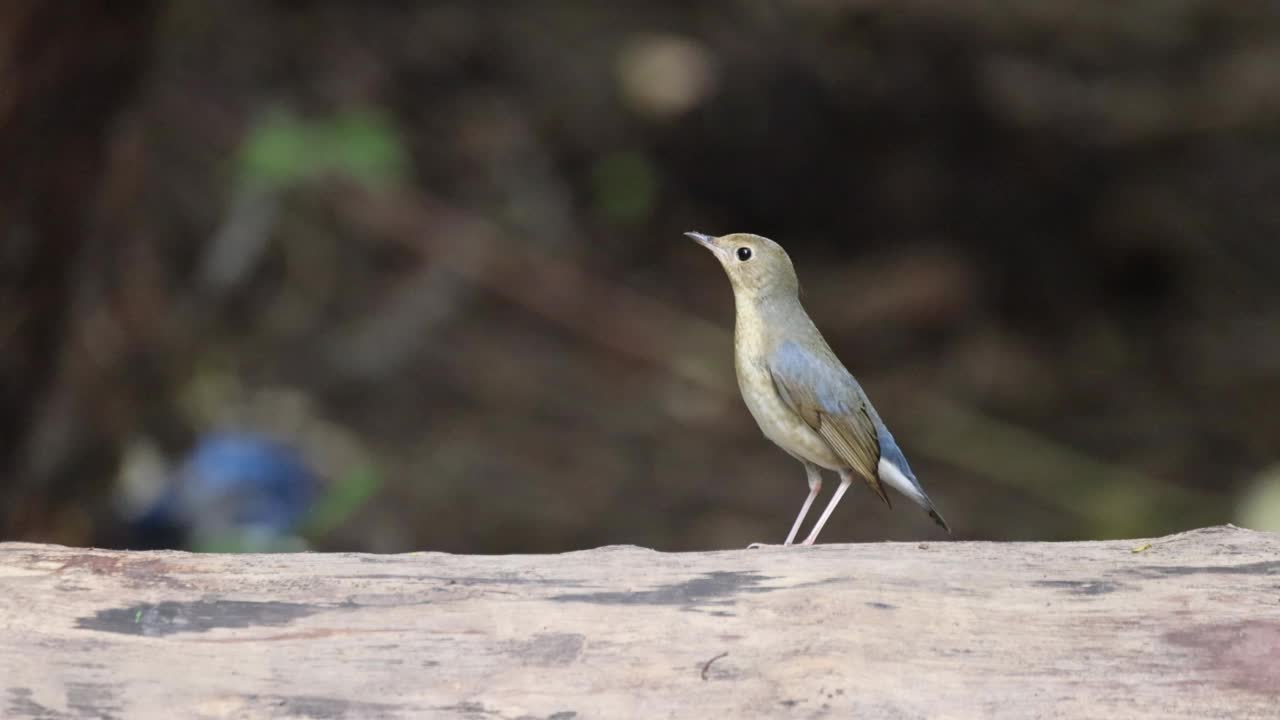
(1043, 234)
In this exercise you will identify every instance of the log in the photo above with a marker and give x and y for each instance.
(1185, 626)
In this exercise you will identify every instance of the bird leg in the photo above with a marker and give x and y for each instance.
(846, 479)
(815, 486)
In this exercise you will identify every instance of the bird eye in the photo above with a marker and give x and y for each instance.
(744, 254)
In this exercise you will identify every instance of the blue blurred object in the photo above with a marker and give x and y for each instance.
(234, 491)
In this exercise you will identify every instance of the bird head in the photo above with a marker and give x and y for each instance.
(756, 266)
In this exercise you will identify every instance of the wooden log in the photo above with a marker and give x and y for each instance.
(1186, 626)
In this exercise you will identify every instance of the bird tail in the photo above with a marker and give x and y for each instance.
(900, 481)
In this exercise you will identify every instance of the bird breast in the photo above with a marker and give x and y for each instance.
(776, 420)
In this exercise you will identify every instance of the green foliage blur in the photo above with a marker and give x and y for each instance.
(281, 150)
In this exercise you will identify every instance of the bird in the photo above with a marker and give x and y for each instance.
(800, 394)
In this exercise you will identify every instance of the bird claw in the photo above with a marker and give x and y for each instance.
(757, 545)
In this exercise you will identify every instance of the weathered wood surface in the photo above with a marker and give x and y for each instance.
(1187, 628)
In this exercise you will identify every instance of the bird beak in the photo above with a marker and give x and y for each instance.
(707, 242)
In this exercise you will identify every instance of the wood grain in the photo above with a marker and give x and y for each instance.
(1188, 627)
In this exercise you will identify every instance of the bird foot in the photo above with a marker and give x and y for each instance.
(758, 545)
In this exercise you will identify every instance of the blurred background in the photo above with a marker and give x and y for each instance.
(410, 275)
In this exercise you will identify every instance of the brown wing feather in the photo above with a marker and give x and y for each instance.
(857, 447)
(851, 436)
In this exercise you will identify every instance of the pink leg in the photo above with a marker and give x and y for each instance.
(845, 481)
(815, 486)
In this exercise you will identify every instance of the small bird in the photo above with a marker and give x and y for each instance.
(802, 397)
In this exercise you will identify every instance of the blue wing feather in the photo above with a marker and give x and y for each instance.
(833, 388)
(836, 391)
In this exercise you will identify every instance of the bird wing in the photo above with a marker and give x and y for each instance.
(823, 393)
